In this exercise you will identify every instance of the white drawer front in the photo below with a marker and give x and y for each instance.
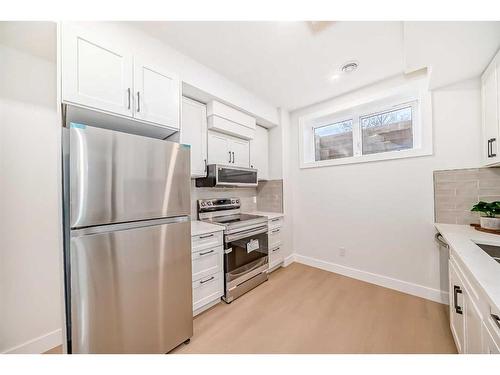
(208, 289)
(275, 237)
(275, 223)
(206, 241)
(207, 262)
(275, 255)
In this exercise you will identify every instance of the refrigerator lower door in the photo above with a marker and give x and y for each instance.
(131, 288)
(117, 177)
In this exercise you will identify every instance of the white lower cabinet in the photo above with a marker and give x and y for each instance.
(207, 269)
(491, 344)
(275, 243)
(471, 322)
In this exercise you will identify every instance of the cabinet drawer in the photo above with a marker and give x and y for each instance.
(207, 289)
(275, 255)
(275, 223)
(275, 237)
(207, 262)
(206, 241)
(491, 341)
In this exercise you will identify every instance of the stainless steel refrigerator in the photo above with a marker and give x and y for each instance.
(127, 249)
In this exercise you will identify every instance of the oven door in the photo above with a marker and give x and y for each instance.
(246, 255)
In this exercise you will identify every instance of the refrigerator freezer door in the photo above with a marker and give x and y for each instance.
(131, 289)
(117, 177)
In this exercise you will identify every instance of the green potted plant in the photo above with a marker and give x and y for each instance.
(489, 214)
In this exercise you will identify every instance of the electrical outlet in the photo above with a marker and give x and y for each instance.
(342, 251)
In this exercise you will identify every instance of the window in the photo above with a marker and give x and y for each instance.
(395, 125)
(387, 131)
(333, 141)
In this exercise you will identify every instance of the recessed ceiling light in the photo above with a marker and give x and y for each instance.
(349, 67)
(334, 77)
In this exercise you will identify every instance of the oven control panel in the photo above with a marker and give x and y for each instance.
(217, 204)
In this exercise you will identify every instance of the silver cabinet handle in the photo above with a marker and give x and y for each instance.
(207, 280)
(206, 252)
(206, 236)
(233, 156)
(128, 96)
(439, 238)
(138, 101)
(496, 319)
(230, 156)
(273, 250)
(275, 230)
(277, 219)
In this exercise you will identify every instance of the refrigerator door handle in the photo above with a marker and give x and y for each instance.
(124, 226)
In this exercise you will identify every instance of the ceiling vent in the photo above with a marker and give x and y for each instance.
(349, 67)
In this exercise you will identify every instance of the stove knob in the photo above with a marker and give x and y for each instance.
(209, 203)
(237, 201)
(202, 204)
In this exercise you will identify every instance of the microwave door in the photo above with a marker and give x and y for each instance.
(118, 177)
(236, 177)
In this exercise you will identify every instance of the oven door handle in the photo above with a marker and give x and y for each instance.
(248, 233)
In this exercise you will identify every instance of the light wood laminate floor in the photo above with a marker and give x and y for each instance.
(301, 309)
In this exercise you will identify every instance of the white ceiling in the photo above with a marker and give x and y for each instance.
(289, 64)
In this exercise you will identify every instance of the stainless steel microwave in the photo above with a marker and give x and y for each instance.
(224, 176)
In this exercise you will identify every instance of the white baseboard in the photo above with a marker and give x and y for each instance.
(38, 345)
(373, 278)
(288, 260)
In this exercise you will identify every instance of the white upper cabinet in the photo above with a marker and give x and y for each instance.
(95, 73)
(259, 152)
(156, 95)
(194, 133)
(226, 150)
(104, 75)
(240, 150)
(490, 108)
(228, 120)
(218, 149)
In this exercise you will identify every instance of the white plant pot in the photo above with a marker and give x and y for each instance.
(490, 222)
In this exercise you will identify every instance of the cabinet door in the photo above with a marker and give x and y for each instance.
(194, 133)
(241, 152)
(457, 321)
(259, 152)
(489, 344)
(95, 73)
(473, 328)
(490, 99)
(218, 149)
(156, 95)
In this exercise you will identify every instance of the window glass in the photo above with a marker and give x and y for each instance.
(333, 141)
(387, 131)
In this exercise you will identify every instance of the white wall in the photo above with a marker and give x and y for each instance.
(30, 318)
(382, 212)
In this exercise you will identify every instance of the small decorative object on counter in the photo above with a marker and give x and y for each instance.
(489, 214)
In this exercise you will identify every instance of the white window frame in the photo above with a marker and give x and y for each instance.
(414, 94)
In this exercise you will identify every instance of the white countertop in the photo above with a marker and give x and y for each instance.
(202, 227)
(483, 268)
(269, 215)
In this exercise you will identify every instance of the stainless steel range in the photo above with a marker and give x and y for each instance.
(245, 244)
